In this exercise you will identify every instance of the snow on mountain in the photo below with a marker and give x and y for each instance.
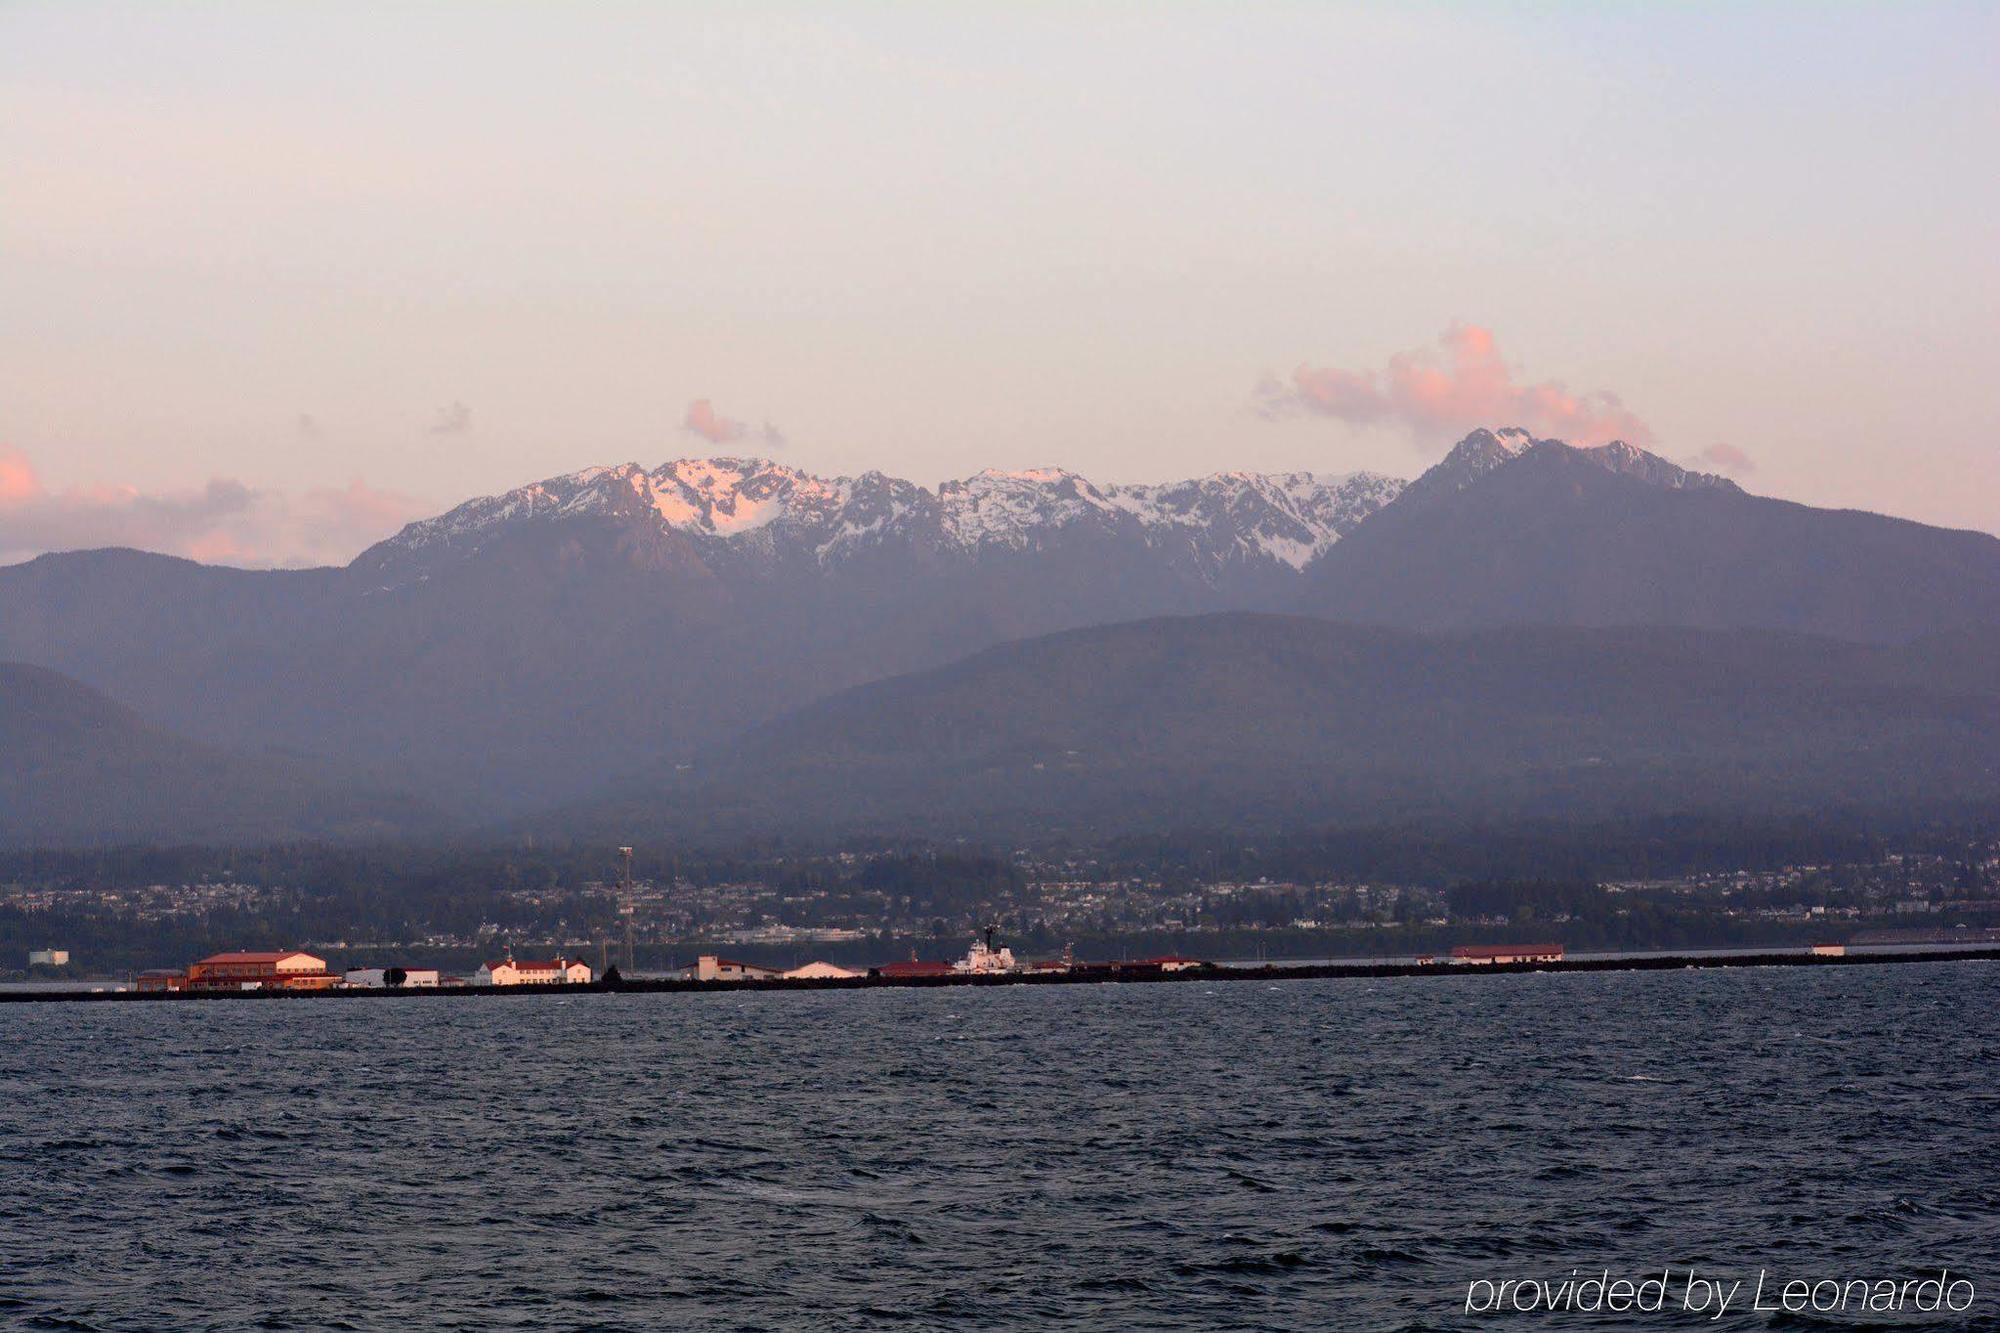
(592, 490)
(1484, 450)
(1014, 509)
(753, 508)
(1619, 456)
(1289, 517)
(750, 512)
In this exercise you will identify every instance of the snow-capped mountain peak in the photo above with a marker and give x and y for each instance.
(1015, 508)
(768, 514)
(1482, 451)
(729, 496)
(1618, 456)
(749, 508)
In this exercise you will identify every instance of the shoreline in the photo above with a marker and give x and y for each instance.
(1267, 972)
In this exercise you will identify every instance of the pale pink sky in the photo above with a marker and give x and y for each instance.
(274, 278)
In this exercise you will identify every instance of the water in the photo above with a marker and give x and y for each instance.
(1343, 1154)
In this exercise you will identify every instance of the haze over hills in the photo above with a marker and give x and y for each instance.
(1266, 722)
(79, 768)
(523, 650)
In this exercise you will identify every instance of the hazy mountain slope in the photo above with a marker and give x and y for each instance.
(1264, 721)
(1552, 535)
(524, 648)
(78, 768)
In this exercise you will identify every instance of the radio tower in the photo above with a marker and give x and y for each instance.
(625, 904)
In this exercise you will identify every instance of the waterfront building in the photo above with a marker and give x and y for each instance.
(48, 958)
(161, 979)
(817, 971)
(1507, 953)
(276, 969)
(708, 967)
(1170, 963)
(557, 971)
(1830, 950)
(376, 978)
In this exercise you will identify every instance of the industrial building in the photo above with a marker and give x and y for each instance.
(375, 978)
(915, 968)
(1507, 953)
(708, 967)
(279, 969)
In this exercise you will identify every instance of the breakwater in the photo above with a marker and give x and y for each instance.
(1078, 977)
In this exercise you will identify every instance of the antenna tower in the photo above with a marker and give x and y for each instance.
(625, 904)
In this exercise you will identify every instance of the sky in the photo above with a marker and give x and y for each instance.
(276, 278)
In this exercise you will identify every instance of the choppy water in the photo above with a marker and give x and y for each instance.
(1343, 1154)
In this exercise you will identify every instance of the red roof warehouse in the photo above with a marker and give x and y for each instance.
(914, 968)
(286, 969)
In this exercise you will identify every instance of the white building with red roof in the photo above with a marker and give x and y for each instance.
(511, 971)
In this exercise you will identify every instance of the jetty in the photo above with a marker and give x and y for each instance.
(1141, 972)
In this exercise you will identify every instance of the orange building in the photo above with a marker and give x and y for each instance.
(281, 969)
(162, 978)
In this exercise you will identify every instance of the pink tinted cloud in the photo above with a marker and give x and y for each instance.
(702, 419)
(1726, 457)
(18, 482)
(1460, 384)
(223, 521)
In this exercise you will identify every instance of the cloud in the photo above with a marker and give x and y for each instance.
(702, 419)
(222, 521)
(1724, 457)
(308, 428)
(453, 420)
(1460, 384)
(18, 481)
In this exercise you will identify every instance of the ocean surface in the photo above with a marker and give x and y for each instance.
(1331, 1154)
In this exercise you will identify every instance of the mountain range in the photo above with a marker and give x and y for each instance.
(539, 648)
(755, 516)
